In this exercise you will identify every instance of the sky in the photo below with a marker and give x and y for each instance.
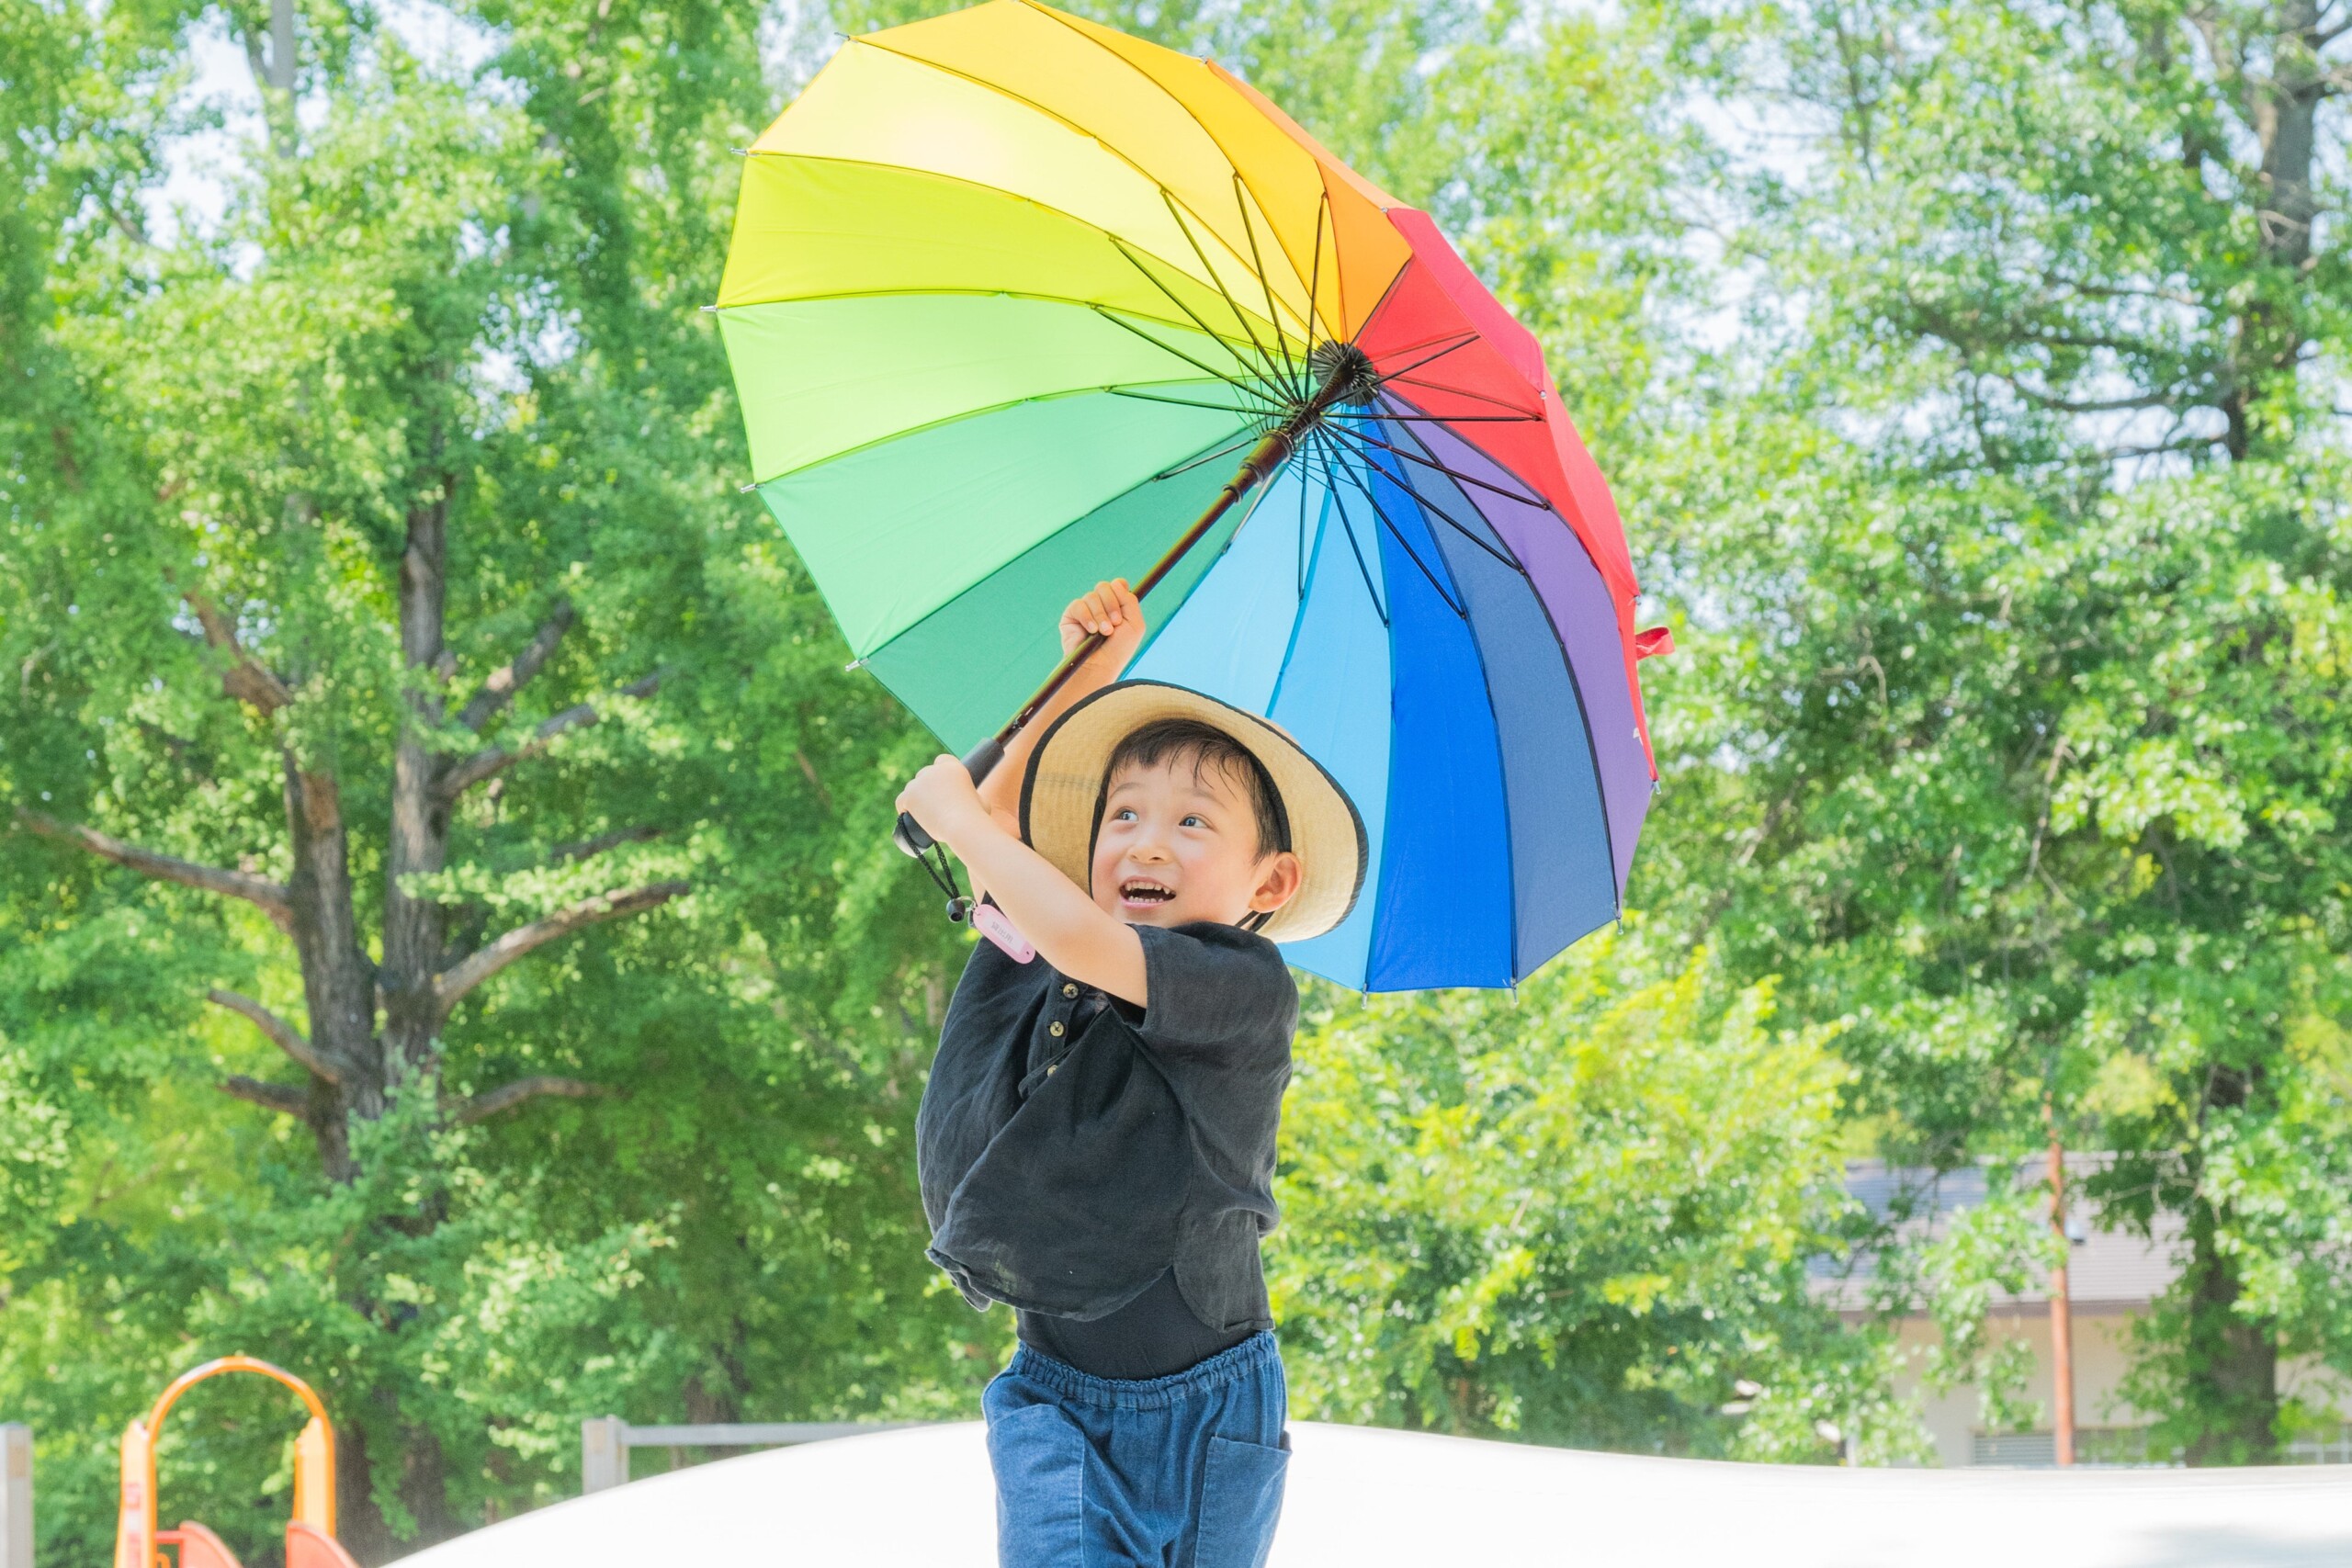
(202, 166)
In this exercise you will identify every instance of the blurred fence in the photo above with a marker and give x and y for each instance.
(15, 1495)
(606, 1442)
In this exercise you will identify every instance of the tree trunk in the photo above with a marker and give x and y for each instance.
(420, 818)
(338, 979)
(359, 1525)
(424, 1490)
(2232, 1360)
(2283, 110)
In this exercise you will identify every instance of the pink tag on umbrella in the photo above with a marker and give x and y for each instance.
(991, 922)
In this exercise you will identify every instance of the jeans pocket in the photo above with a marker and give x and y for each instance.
(1039, 1458)
(1242, 1500)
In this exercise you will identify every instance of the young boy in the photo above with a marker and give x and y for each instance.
(1097, 1138)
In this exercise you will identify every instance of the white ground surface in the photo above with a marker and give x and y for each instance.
(1361, 1498)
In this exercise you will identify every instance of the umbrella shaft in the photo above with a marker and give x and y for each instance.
(1263, 459)
(1256, 468)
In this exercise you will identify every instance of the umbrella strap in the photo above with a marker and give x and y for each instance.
(941, 870)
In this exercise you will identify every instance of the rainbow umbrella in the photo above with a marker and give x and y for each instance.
(1016, 302)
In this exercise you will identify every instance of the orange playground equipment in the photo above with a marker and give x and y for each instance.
(309, 1534)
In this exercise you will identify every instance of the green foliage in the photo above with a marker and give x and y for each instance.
(474, 288)
(2016, 572)
(1582, 1215)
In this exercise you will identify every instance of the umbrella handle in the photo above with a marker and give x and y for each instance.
(979, 761)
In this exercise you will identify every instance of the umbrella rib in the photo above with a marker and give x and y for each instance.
(1459, 392)
(1220, 339)
(1266, 362)
(1464, 341)
(1398, 535)
(1455, 474)
(1258, 260)
(1441, 337)
(1347, 526)
(1235, 382)
(1425, 503)
(1441, 418)
(1299, 593)
(1315, 272)
(1234, 444)
(1049, 112)
(1188, 403)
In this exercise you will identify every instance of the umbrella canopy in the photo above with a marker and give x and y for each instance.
(1010, 293)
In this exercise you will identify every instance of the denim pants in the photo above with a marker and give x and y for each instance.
(1180, 1472)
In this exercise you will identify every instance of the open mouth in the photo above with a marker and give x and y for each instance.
(1143, 890)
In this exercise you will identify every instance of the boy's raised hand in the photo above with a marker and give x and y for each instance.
(1110, 608)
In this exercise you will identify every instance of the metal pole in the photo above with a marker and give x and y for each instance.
(15, 1495)
(603, 1454)
(2062, 1313)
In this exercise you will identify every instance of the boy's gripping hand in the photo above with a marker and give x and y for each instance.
(1111, 609)
(942, 799)
(1075, 936)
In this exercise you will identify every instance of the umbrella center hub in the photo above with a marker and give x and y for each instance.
(1343, 374)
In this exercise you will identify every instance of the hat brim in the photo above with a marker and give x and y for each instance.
(1062, 796)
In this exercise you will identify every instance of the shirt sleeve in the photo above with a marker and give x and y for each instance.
(1214, 990)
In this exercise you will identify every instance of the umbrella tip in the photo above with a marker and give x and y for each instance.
(708, 309)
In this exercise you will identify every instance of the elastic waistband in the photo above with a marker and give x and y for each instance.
(1253, 1356)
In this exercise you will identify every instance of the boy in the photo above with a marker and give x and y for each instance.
(1097, 1138)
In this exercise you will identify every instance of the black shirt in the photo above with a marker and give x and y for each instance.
(1069, 1162)
(1153, 1336)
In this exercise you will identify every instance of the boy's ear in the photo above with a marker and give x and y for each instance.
(1279, 883)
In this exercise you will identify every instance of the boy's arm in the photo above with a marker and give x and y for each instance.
(1111, 609)
(1074, 933)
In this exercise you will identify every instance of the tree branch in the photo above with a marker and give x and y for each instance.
(584, 848)
(479, 967)
(247, 679)
(482, 1107)
(2229, 61)
(509, 678)
(288, 1038)
(278, 1096)
(270, 898)
(2096, 405)
(494, 760)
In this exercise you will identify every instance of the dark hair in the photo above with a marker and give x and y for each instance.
(1177, 739)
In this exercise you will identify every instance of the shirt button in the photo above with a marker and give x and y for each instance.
(1055, 1029)
(1069, 990)
(1051, 1067)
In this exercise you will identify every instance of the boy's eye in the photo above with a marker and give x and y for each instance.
(1194, 821)
(1125, 813)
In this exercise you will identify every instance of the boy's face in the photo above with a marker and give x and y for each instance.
(1178, 842)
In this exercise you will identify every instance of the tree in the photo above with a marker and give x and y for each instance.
(1581, 1215)
(379, 612)
(2017, 571)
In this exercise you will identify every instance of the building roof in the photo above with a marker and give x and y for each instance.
(2110, 1269)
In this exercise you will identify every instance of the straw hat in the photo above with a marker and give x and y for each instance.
(1061, 800)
